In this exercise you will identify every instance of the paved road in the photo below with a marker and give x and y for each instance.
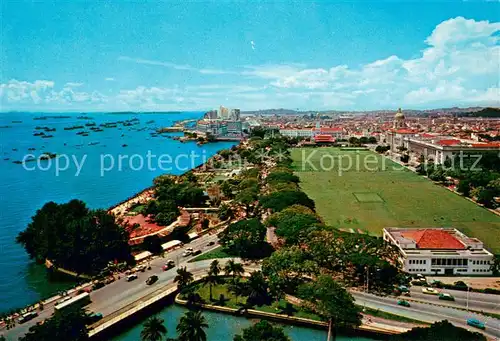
(477, 301)
(429, 313)
(120, 293)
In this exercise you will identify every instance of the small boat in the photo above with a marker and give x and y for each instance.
(93, 143)
(14, 149)
(17, 121)
(31, 148)
(6, 159)
(86, 134)
(17, 162)
(124, 145)
(47, 136)
(39, 134)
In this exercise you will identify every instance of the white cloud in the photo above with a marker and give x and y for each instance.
(175, 66)
(72, 85)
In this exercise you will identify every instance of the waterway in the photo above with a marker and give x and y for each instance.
(23, 191)
(223, 327)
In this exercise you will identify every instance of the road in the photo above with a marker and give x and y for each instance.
(429, 313)
(120, 293)
(477, 301)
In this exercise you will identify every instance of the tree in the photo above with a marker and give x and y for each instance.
(238, 288)
(442, 331)
(278, 201)
(330, 300)
(464, 187)
(191, 327)
(279, 177)
(225, 212)
(485, 197)
(153, 329)
(244, 238)
(75, 237)
(258, 293)
(153, 244)
(286, 269)
(183, 278)
(213, 273)
(261, 331)
(293, 225)
(234, 269)
(227, 189)
(68, 324)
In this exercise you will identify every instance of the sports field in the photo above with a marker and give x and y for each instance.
(364, 191)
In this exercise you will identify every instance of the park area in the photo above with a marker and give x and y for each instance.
(361, 191)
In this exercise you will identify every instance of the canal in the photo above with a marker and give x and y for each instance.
(223, 327)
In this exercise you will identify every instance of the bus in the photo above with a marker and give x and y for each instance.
(78, 301)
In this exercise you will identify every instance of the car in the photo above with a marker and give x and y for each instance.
(94, 317)
(211, 243)
(187, 253)
(446, 297)
(64, 299)
(476, 323)
(141, 268)
(430, 291)
(189, 249)
(28, 316)
(403, 288)
(404, 303)
(197, 252)
(168, 265)
(151, 279)
(132, 277)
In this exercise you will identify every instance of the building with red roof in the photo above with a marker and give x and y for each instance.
(439, 251)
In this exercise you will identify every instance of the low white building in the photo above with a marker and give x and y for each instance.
(295, 132)
(439, 251)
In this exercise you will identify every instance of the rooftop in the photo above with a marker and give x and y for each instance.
(434, 239)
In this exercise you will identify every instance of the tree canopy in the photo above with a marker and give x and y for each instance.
(244, 238)
(278, 201)
(75, 237)
(262, 330)
(442, 331)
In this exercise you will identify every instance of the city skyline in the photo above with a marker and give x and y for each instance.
(314, 56)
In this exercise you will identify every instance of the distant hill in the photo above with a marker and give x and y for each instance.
(485, 112)
(470, 111)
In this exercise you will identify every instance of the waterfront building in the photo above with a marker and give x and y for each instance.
(439, 251)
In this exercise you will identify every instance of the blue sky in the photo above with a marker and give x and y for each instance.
(354, 55)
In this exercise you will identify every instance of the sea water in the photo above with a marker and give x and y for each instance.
(22, 191)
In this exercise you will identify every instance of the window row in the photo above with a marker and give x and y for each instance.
(480, 270)
(417, 261)
(481, 262)
(449, 261)
(416, 270)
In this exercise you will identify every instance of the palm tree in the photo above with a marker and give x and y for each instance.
(233, 268)
(257, 289)
(183, 278)
(238, 288)
(153, 330)
(211, 280)
(214, 268)
(191, 325)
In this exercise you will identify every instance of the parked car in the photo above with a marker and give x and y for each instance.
(141, 268)
(151, 279)
(94, 317)
(404, 303)
(168, 265)
(197, 252)
(446, 297)
(476, 323)
(28, 316)
(211, 243)
(189, 249)
(430, 291)
(187, 253)
(132, 277)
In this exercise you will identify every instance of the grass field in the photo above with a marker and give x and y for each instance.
(365, 191)
(218, 252)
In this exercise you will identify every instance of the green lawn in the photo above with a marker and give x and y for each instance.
(363, 190)
(230, 301)
(218, 252)
(390, 316)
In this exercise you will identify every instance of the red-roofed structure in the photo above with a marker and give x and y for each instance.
(451, 142)
(324, 139)
(434, 239)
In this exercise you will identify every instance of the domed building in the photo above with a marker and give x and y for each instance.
(399, 120)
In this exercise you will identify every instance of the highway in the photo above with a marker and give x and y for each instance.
(120, 293)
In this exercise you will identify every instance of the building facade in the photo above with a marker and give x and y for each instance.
(439, 251)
